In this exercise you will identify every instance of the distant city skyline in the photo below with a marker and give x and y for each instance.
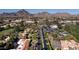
(52, 11)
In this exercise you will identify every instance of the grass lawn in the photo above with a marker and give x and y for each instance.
(5, 32)
(34, 37)
(48, 41)
(74, 30)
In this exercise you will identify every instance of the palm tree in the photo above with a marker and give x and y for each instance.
(35, 26)
(47, 22)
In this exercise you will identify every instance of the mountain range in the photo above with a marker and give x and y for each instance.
(26, 14)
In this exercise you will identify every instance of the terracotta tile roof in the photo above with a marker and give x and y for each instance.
(69, 44)
(23, 44)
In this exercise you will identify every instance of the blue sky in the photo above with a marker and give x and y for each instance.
(71, 11)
